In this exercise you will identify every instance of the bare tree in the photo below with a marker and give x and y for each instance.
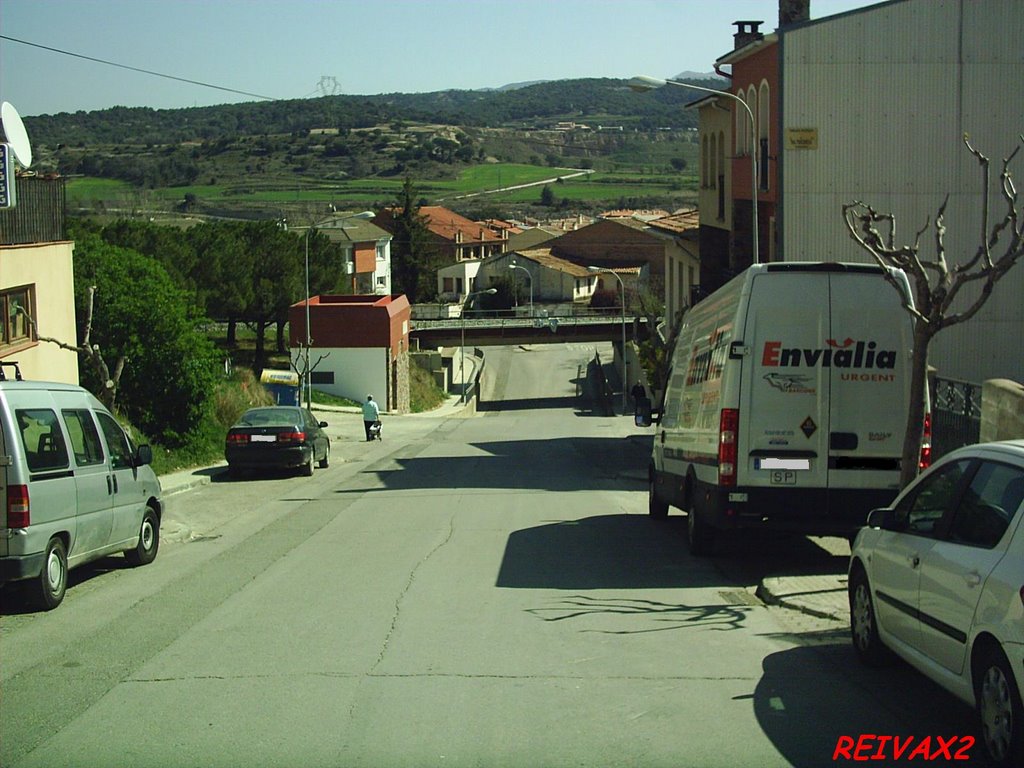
(92, 353)
(936, 285)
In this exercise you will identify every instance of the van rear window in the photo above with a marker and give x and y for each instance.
(42, 439)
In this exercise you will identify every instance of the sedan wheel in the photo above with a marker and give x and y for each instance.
(999, 706)
(307, 468)
(863, 626)
(326, 460)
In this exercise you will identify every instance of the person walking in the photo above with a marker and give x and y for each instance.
(371, 415)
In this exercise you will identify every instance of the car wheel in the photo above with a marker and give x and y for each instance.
(863, 624)
(655, 506)
(49, 587)
(1000, 710)
(307, 468)
(149, 540)
(326, 460)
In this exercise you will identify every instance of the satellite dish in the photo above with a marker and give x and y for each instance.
(15, 134)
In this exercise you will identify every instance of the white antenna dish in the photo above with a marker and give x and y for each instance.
(15, 134)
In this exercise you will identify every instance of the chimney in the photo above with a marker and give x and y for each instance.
(746, 33)
(794, 12)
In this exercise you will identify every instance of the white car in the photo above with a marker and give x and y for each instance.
(938, 579)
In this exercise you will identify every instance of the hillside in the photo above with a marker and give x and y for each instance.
(329, 143)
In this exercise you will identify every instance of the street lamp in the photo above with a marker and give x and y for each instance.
(462, 347)
(622, 285)
(644, 83)
(309, 340)
(513, 265)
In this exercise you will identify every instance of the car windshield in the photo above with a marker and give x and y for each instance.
(270, 417)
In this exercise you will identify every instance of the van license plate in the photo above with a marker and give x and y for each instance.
(783, 477)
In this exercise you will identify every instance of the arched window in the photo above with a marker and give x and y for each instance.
(741, 127)
(750, 130)
(763, 126)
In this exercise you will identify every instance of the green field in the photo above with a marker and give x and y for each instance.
(479, 183)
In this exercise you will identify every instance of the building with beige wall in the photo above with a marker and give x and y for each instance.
(37, 279)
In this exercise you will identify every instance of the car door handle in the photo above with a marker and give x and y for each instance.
(915, 560)
(973, 579)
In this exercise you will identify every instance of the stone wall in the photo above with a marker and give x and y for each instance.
(1002, 410)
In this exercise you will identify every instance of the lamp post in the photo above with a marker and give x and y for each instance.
(622, 285)
(645, 83)
(462, 347)
(309, 339)
(513, 265)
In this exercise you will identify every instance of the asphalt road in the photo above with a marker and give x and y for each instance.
(484, 591)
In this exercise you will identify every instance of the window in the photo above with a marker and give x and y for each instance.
(42, 439)
(762, 127)
(923, 509)
(85, 440)
(704, 160)
(14, 326)
(748, 129)
(321, 377)
(449, 284)
(741, 127)
(713, 153)
(988, 505)
(117, 441)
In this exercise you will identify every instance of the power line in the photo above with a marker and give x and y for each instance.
(137, 69)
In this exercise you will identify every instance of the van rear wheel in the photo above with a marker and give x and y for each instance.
(655, 506)
(699, 535)
(49, 587)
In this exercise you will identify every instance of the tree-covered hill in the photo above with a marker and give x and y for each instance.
(563, 99)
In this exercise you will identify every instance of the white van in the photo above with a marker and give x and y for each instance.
(786, 402)
(73, 488)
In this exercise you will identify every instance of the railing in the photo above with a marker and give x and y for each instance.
(956, 414)
(39, 214)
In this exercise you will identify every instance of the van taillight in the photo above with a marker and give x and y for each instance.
(17, 506)
(727, 446)
(926, 443)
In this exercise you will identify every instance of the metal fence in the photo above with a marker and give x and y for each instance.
(956, 414)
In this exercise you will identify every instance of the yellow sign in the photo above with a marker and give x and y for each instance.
(801, 138)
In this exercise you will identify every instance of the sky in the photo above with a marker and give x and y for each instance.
(290, 49)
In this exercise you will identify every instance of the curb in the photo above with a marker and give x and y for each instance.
(823, 597)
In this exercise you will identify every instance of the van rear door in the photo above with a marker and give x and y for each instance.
(871, 340)
(784, 390)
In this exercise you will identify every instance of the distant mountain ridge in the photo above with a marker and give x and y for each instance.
(516, 105)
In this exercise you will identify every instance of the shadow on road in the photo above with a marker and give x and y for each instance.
(806, 726)
(557, 464)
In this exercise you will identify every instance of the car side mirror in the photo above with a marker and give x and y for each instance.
(886, 519)
(323, 424)
(144, 455)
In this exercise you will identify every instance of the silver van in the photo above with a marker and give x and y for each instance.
(73, 487)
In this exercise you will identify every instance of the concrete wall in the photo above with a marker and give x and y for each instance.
(1002, 410)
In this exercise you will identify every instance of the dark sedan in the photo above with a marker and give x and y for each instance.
(277, 437)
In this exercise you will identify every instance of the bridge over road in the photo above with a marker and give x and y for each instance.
(497, 331)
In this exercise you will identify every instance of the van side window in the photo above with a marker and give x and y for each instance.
(117, 442)
(85, 440)
(42, 439)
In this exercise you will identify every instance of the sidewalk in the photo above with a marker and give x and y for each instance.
(821, 596)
